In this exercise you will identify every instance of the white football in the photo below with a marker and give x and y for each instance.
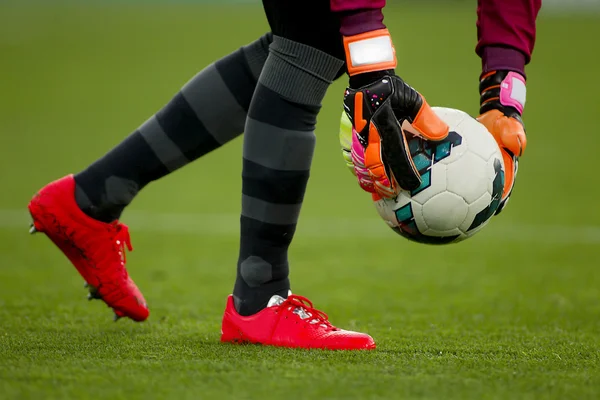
(462, 183)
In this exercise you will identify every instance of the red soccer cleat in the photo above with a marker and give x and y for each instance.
(291, 322)
(95, 248)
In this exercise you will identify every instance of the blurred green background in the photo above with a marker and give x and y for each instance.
(511, 313)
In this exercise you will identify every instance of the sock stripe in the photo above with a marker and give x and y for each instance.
(262, 234)
(150, 167)
(208, 111)
(280, 187)
(264, 211)
(183, 127)
(274, 110)
(201, 101)
(277, 148)
(236, 73)
(163, 147)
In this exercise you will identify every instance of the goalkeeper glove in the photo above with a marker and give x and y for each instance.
(380, 108)
(502, 99)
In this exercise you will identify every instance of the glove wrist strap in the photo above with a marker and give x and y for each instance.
(503, 87)
(369, 52)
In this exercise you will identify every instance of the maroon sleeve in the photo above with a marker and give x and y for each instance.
(359, 16)
(348, 5)
(506, 33)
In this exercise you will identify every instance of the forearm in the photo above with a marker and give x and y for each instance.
(359, 16)
(506, 33)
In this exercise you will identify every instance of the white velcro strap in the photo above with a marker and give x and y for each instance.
(371, 51)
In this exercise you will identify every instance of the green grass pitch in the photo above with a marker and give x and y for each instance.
(513, 313)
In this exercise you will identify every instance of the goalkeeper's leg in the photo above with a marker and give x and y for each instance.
(79, 214)
(209, 111)
(279, 142)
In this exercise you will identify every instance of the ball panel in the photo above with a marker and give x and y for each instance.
(451, 116)
(494, 198)
(385, 209)
(452, 148)
(468, 177)
(418, 216)
(481, 141)
(441, 234)
(410, 226)
(473, 232)
(425, 239)
(444, 212)
(475, 208)
(427, 157)
(495, 168)
(433, 183)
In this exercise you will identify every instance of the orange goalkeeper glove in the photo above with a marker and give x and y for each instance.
(381, 107)
(502, 101)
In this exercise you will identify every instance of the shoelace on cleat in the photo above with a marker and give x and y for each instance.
(305, 310)
(122, 240)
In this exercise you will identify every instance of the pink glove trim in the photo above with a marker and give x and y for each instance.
(513, 91)
(358, 159)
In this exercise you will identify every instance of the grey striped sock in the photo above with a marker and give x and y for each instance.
(209, 111)
(279, 143)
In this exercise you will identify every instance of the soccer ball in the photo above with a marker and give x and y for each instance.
(462, 183)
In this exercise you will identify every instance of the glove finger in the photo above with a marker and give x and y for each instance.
(358, 161)
(511, 166)
(358, 150)
(348, 159)
(394, 152)
(508, 132)
(510, 173)
(345, 137)
(513, 135)
(428, 124)
(345, 134)
(384, 185)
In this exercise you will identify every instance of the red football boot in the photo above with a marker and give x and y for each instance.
(95, 248)
(291, 322)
